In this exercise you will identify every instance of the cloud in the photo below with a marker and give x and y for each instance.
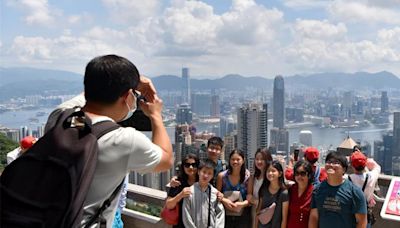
(323, 46)
(63, 48)
(250, 24)
(315, 29)
(306, 4)
(38, 12)
(383, 3)
(131, 11)
(361, 11)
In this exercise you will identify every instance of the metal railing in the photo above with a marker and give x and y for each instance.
(134, 219)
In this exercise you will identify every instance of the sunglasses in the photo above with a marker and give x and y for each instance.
(302, 173)
(187, 165)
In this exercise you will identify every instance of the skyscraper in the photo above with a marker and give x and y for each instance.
(396, 144)
(201, 104)
(252, 130)
(384, 102)
(279, 102)
(215, 110)
(186, 85)
(184, 114)
(279, 141)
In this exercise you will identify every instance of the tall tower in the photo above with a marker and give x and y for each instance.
(396, 144)
(184, 114)
(279, 102)
(186, 85)
(252, 130)
(384, 102)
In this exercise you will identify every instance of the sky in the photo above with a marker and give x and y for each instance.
(211, 37)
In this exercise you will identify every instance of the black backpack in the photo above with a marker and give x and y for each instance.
(47, 185)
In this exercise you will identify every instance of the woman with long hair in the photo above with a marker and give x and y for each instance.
(273, 191)
(262, 161)
(188, 175)
(233, 183)
(300, 195)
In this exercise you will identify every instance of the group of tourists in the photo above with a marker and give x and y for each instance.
(299, 195)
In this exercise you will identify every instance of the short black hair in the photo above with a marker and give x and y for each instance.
(339, 157)
(108, 77)
(207, 163)
(215, 141)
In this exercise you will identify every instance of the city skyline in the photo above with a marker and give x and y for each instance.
(211, 37)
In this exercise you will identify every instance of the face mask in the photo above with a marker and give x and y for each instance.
(130, 111)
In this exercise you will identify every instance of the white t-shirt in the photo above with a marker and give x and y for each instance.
(14, 154)
(120, 151)
(359, 179)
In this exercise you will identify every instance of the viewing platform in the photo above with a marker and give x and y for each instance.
(135, 219)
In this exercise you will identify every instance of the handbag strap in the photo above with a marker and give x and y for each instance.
(365, 183)
(209, 206)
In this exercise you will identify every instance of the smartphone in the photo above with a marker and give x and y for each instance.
(296, 154)
(138, 120)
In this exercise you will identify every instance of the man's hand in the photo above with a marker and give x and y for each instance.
(152, 109)
(147, 89)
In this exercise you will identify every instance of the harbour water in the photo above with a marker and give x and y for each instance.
(325, 137)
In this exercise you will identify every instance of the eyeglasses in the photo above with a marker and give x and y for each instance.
(187, 165)
(333, 162)
(301, 173)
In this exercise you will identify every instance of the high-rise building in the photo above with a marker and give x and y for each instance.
(24, 131)
(184, 114)
(384, 102)
(183, 140)
(226, 126)
(396, 144)
(229, 145)
(201, 104)
(279, 102)
(215, 110)
(252, 128)
(305, 137)
(387, 153)
(186, 85)
(279, 141)
(295, 114)
(13, 134)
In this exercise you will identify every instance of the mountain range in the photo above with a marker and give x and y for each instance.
(19, 82)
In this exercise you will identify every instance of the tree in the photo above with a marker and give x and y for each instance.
(6, 145)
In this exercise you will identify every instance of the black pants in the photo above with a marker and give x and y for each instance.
(242, 221)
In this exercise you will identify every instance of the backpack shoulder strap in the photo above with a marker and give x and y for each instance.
(101, 128)
(348, 177)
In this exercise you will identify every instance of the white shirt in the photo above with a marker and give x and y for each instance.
(120, 151)
(373, 175)
(14, 154)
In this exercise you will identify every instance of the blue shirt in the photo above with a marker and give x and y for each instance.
(337, 204)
